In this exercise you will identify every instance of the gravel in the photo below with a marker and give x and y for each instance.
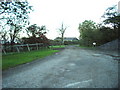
(72, 67)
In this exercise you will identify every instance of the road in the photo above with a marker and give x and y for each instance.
(72, 67)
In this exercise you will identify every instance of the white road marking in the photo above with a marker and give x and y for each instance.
(76, 83)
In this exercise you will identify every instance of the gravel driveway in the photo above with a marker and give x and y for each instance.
(73, 67)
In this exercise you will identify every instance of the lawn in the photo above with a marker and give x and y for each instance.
(15, 59)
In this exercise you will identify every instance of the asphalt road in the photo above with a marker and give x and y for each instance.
(73, 67)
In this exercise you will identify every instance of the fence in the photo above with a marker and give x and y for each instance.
(20, 48)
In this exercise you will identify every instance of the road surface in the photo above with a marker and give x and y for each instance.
(73, 67)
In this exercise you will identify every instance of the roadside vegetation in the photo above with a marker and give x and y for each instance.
(103, 32)
(15, 59)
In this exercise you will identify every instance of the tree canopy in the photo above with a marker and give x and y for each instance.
(111, 16)
(36, 34)
(14, 15)
(35, 30)
(87, 31)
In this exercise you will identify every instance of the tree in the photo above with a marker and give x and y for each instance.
(62, 31)
(111, 17)
(3, 35)
(89, 33)
(36, 34)
(15, 16)
(101, 33)
(86, 29)
(35, 31)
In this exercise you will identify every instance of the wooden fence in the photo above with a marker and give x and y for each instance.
(20, 48)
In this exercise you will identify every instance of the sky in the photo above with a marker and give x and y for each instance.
(52, 13)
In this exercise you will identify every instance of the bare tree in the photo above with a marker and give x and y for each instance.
(62, 31)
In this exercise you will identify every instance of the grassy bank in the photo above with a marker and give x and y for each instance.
(24, 57)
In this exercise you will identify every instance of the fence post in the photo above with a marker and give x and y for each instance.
(28, 47)
(3, 50)
(37, 45)
(17, 49)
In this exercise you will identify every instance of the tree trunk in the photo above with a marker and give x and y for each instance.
(12, 43)
(62, 38)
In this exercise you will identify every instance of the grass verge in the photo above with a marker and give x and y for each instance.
(57, 46)
(24, 57)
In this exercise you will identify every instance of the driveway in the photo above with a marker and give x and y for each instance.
(73, 67)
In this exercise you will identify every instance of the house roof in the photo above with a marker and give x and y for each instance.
(70, 38)
(67, 38)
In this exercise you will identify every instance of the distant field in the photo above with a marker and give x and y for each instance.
(15, 59)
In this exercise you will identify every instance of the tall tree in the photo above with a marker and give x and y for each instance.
(111, 17)
(88, 32)
(86, 27)
(15, 16)
(62, 31)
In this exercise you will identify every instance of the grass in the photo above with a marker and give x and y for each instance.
(15, 59)
(58, 46)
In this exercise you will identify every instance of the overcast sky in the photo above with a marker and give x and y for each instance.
(52, 13)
